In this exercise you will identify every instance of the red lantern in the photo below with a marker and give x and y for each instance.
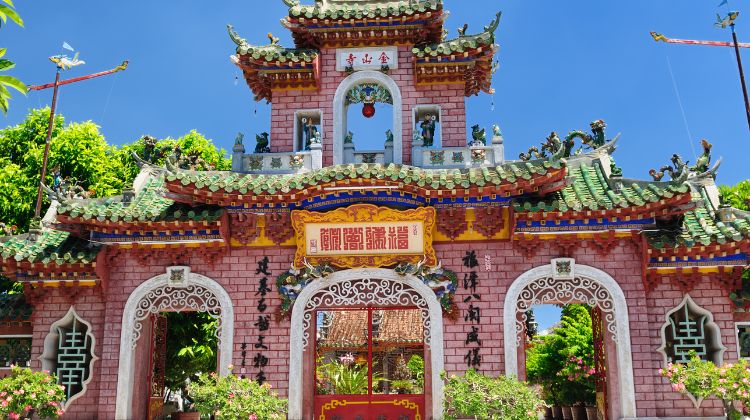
(368, 110)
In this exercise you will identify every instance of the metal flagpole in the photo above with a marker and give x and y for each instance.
(38, 209)
(742, 74)
(62, 64)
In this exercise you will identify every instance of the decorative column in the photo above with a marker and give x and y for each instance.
(416, 150)
(348, 152)
(316, 154)
(498, 149)
(238, 154)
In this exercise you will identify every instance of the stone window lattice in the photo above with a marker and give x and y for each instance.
(690, 328)
(68, 352)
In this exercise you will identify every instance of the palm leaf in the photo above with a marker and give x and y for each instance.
(9, 3)
(14, 83)
(2, 51)
(7, 12)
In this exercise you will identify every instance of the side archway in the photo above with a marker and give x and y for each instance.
(161, 294)
(340, 288)
(340, 117)
(589, 285)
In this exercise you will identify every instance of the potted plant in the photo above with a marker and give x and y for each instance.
(231, 397)
(26, 394)
(482, 397)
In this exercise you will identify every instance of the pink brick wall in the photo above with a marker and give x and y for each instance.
(450, 98)
(236, 273)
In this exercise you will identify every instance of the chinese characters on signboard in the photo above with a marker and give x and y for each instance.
(473, 315)
(374, 238)
(260, 361)
(366, 58)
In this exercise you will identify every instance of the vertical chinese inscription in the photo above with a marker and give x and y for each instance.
(260, 361)
(473, 357)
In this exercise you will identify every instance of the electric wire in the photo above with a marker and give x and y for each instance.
(682, 108)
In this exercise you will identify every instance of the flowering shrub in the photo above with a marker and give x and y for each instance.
(230, 397)
(703, 379)
(26, 393)
(490, 398)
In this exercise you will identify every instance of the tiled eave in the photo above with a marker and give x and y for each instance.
(193, 194)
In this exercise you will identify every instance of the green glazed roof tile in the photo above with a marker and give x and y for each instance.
(590, 190)
(50, 246)
(230, 182)
(149, 205)
(363, 10)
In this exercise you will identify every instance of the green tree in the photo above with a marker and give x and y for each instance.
(191, 347)
(561, 361)
(7, 11)
(737, 196)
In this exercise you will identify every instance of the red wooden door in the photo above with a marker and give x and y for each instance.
(369, 364)
(158, 366)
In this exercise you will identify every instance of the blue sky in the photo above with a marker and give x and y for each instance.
(563, 64)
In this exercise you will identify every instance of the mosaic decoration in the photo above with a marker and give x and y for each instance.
(368, 93)
(473, 357)
(255, 162)
(296, 161)
(437, 157)
(443, 282)
(478, 155)
(457, 157)
(73, 357)
(369, 157)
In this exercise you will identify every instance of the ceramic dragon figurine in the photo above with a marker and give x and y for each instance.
(704, 160)
(550, 147)
(676, 171)
(261, 145)
(479, 136)
(593, 141)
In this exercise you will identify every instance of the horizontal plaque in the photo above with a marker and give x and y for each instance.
(364, 235)
(366, 58)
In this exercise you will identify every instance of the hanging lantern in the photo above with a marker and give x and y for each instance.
(368, 110)
(368, 102)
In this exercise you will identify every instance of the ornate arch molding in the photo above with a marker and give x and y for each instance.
(357, 287)
(589, 285)
(339, 112)
(162, 293)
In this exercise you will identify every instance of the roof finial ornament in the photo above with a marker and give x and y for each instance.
(274, 40)
(462, 30)
(677, 171)
(703, 160)
(291, 3)
(235, 36)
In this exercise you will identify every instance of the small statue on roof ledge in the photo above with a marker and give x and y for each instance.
(462, 30)
(704, 160)
(261, 145)
(349, 138)
(274, 40)
(479, 136)
(676, 171)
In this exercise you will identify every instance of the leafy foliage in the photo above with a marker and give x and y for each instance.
(191, 347)
(343, 376)
(561, 361)
(7, 11)
(490, 398)
(737, 196)
(703, 379)
(26, 393)
(229, 397)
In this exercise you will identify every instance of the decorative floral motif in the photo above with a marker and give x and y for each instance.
(369, 93)
(437, 157)
(576, 290)
(296, 161)
(443, 282)
(255, 163)
(458, 157)
(369, 157)
(276, 162)
(478, 155)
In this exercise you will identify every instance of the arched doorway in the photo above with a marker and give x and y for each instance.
(340, 108)
(177, 290)
(575, 284)
(363, 290)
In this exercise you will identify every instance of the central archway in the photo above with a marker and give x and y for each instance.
(340, 114)
(351, 287)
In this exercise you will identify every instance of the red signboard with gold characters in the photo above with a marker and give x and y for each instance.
(364, 235)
